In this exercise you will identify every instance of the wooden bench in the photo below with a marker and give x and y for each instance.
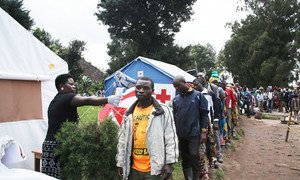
(37, 159)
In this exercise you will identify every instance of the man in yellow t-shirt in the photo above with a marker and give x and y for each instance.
(140, 155)
(147, 145)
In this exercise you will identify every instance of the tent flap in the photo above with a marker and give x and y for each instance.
(24, 59)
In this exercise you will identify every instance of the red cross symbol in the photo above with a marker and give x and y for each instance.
(163, 97)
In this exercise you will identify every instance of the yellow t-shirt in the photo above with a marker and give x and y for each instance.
(140, 155)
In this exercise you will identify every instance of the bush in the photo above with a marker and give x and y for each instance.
(87, 150)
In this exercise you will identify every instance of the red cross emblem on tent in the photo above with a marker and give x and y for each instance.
(163, 97)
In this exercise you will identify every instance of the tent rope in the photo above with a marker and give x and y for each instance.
(85, 112)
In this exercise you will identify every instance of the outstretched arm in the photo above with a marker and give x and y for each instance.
(94, 100)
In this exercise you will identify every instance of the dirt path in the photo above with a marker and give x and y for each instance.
(263, 153)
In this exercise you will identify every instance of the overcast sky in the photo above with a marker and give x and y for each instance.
(68, 20)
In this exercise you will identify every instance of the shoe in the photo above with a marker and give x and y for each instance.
(227, 144)
(220, 159)
(233, 135)
(216, 165)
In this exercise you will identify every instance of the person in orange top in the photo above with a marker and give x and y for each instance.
(147, 145)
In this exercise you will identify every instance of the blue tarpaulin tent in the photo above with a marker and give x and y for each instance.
(160, 72)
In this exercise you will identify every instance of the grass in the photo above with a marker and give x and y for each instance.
(240, 133)
(88, 113)
(270, 117)
(219, 174)
(177, 172)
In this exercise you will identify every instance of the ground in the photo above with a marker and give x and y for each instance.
(261, 152)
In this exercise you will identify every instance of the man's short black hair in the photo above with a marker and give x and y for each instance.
(147, 79)
(61, 79)
(197, 80)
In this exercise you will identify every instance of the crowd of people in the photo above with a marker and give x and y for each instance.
(200, 123)
(272, 98)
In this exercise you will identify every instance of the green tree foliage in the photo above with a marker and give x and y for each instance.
(123, 51)
(72, 54)
(85, 85)
(87, 151)
(204, 57)
(142, 28)
(176, 55)
(263, 47)
(47, 40)
(14, 9)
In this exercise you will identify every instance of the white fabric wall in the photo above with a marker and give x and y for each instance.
(23, 57)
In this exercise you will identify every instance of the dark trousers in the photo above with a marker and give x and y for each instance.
(137, 175)
(189, 151)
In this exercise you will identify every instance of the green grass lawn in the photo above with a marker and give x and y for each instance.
(88, 113)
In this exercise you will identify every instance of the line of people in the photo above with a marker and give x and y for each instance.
(203, 119)
(152, 134)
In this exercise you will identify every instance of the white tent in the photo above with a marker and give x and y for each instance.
(27, 73)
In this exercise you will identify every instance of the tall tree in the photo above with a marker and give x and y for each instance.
(123, 51)
(16, 10)
(142, 27)
(203, 58)
(263, 48)
(72, 54)
(46, 38)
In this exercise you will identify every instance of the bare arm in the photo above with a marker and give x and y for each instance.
(92, 100)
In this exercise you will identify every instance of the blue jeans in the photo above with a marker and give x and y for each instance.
(217, 139)
(269, 105)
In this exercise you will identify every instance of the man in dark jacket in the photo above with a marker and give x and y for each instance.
(191, 120)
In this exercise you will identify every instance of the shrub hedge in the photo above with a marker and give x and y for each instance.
(87, 150)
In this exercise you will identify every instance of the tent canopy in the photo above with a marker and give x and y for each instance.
(159, 72)
(27, 73)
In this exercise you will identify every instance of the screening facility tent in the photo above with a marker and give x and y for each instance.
(161, 73)
(27, 73)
